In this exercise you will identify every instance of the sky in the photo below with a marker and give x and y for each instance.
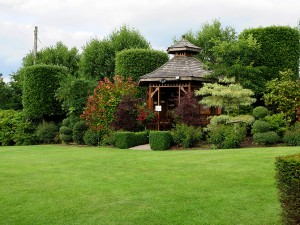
(75, 22)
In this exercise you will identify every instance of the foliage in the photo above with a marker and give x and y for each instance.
(186, 136)
(65, 134)
(125, 139)
(73, 94)
(160, 140)
(101, 106)
(58, 55)
(9, 121)
(108, 138)
(246, 120)
(141, 138)
(230, 97)
(126, 114)
(288, 185)
(266, 138)
(283, 94)
(146, 117)
(137, 62)
(98, 59)
(226, 136)
(207, 37)
(92, 137)
(260, 112)
(7, 96)
(260, 126)
(47, 132)
(40, 85)
(187, 111)
(292, 135)
(220, 119)
(279, 49)
(277, 123)
(79, 129)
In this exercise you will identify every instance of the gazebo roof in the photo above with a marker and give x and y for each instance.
(183, 66)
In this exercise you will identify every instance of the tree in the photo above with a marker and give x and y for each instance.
(230, 97)
(101, 106)
(283, 95)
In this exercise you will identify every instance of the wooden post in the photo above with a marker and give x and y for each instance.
(35, 45)
(189, 87)
(150, 97)
(158, 103)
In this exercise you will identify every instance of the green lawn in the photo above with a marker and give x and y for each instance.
(81, 185)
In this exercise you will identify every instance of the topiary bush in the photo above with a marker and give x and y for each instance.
(160, 140)
(260, 126)
(288, 185)
(78, 132)
(266, 138)
(292, 136)
(260, 112)
(92, 138)
(277, 123)
(125, 139)
(65, 134)
(186, 136)
(141, 138)
(226, 136)
(47, 133)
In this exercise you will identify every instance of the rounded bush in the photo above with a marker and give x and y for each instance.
(65, 134)
(260, 126)
(78, 132)
(92, 138)
(46, 132)
(65, 130)
(266, 138)
(186, 136)
(260, 112)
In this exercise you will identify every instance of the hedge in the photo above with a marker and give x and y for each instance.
(137, 62)
(279, 48)
(288, 185)
(40, 85)
(266, 138)
(125, 139)
(160, 140)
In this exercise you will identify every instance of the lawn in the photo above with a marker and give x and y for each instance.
(56, 184)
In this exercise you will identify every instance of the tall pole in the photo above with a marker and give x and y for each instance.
(35, 45)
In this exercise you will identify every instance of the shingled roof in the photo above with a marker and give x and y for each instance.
(182, 66)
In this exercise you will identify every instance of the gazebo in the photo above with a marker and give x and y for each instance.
(181, 74)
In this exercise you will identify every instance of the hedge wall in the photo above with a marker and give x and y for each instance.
(288, 184)
(137, 62)
(280, 48)
(40, 85)
(160, 140)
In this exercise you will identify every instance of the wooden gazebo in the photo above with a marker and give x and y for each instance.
(180, 75)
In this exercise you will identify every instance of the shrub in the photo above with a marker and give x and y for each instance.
(260, 112)
(292, 136)
(125, 139)
(186, 136)
(247, 120)
(65, 134)
(226, 136)
(260, 126)
(78, 132)
(221, 119)
(47, 132)
(277, 123)
(266, 138)
(9, 120)
(92, 138)
(160, 140)
(141, 138)
(108, 138)
(25, 133)
(288, 185)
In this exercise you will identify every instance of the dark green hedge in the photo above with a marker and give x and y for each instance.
(40, 85)
(160, 140)
(288, 184)
(141, 138)
(279, 48)
(125, 139)
(137, 62)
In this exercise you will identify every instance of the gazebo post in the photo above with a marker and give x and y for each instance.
(158, 103)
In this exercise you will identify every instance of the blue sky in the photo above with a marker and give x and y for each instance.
(74, 22)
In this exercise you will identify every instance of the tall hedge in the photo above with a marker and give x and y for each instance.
(40, 85)
(280, 48)
(288, 184)
(137, 62)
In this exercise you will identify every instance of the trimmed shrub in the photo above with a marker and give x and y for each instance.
(288, 185)
(260, 126)
(137, 62)
(160, 140)
(248, 120)
(260, 112)
(266, 138)
(221, 119)
(92, 138)
(141, 138)
(65, 134)
(277, 123)
(47, 133)
(125, 139)
(292, 136)
(108, 138)
(226, 136)
(186, 136)
(9, 121)
(78, 132)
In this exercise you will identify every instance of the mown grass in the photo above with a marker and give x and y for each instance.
(81, 185)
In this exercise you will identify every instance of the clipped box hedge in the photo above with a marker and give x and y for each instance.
(160, 140)
(288, 184)
(129, 139)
